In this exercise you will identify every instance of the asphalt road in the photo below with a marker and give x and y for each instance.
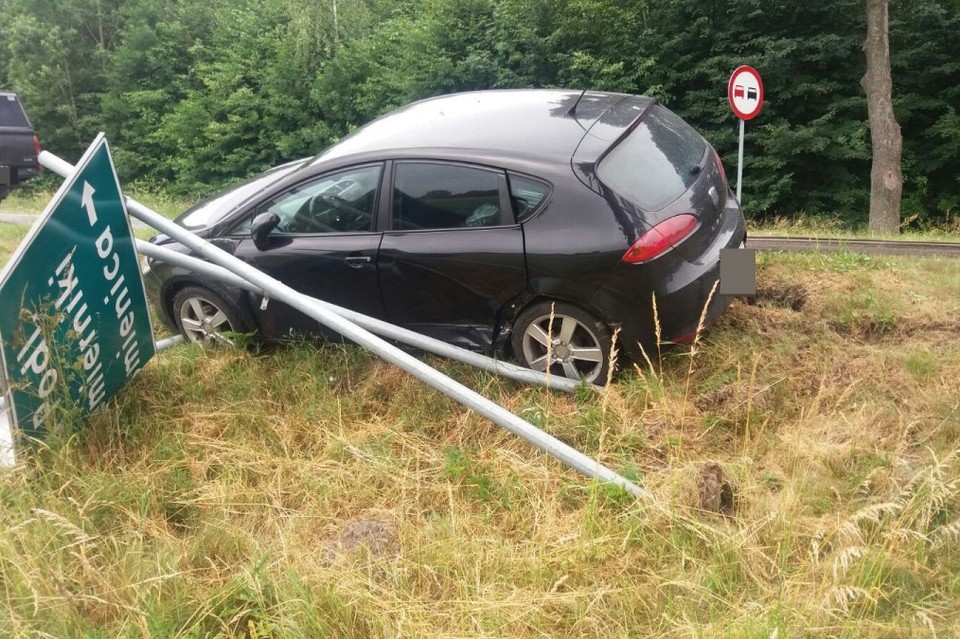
(879, 247)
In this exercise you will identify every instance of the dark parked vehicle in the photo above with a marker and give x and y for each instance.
(531, 221)
(19, 147)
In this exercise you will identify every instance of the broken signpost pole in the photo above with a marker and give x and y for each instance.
(379, 327)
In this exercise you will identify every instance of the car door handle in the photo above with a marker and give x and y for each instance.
(357, 261)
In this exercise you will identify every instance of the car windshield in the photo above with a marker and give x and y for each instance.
(11, 113)
(656, 163)
(216, 208)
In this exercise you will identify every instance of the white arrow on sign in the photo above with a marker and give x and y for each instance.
(86, 201)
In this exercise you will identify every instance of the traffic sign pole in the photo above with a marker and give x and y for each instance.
(740, 161)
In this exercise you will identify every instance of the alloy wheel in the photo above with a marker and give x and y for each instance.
(565, 346)
(203, 321)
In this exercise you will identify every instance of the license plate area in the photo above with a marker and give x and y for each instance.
(738, 271)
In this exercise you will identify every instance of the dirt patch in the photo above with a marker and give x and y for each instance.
(868, 330)
(865, 330)
(727, 400)
(715, 490)
(715, 399)
(805, 383)
(911, 328)
(792, 296)
(378, 535)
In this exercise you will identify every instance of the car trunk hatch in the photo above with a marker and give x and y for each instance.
(663, 168)
(707, 200)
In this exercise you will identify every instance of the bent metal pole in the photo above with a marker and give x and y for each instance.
(379, 327)
(283, 293)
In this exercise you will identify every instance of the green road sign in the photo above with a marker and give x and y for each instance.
(73, 311)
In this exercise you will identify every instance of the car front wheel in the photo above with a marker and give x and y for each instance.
(564, 340)
(204, 316)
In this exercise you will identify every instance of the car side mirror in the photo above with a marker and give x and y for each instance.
(261, 228)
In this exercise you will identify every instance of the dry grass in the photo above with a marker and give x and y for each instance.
(10, 236)
(319, 492)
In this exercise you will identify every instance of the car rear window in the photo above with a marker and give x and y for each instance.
(11, 113)
(656, 163)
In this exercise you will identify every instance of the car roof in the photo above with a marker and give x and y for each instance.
(542, 122)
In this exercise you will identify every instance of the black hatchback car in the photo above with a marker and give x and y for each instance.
(531, 221)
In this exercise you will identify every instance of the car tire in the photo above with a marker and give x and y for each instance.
(579, 348)
(204, 316)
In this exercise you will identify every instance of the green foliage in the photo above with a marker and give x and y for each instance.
(56, 54)
(148, 76)
(196, 94)
(808, 149)
(925, 58)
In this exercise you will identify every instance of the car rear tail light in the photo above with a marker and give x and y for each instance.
(723, 174)
(661, 238)
(36, 150)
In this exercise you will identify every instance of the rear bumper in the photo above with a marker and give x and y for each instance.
(669, 296)
(13, 176)
(701, 299)
(25, 173)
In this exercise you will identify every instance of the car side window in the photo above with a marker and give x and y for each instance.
(527, 195)
(431, 195)
(341, 202)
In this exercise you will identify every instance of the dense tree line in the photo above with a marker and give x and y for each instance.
(195, 93)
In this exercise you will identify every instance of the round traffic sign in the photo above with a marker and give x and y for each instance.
(745, 92)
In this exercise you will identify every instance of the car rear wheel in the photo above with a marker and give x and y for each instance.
(564, 339)
(204, 316)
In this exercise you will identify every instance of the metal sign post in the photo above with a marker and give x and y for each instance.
(378, 327)
(74, 320)
(745, 94)
(7, 455)
(740, 162)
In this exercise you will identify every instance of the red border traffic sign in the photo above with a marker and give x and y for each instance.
(745, 92)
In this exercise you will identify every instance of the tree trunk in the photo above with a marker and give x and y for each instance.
(886, 180)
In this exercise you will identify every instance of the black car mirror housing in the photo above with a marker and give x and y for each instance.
(261, 228)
